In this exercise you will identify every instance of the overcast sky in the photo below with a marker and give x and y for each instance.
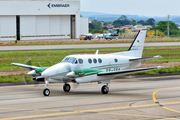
(133, 7)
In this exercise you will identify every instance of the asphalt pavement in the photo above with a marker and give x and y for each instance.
(89, 46)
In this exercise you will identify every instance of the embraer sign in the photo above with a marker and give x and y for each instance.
(57, 5)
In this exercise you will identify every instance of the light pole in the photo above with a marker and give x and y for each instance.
(168, 25)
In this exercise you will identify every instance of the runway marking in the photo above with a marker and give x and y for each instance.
(86, 111)
(161, 104)
(139, 115)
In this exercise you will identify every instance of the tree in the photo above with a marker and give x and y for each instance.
(123, 18)
(96, 24)
(150, 21)
(118, 23)
(162, 26)
(142, 22)
(133, 22)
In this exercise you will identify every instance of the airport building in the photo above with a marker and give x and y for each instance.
(41, 19)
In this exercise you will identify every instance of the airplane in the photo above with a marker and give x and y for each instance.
(111, 35)
(88, 68)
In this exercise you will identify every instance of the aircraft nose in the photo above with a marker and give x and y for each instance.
(45, 74)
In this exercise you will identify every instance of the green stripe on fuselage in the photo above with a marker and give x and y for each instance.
(40, 70)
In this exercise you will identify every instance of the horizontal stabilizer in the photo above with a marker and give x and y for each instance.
(124, 72)
(147, 58)
(25, 66)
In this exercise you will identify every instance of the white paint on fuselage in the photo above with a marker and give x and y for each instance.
(59, 71)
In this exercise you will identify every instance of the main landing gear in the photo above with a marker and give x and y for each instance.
(105, 89)
(66, 87)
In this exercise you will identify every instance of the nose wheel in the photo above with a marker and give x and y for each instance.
(66, 87)
(105, 89)
(46, 92)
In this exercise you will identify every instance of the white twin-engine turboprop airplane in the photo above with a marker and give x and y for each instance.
(90, 68)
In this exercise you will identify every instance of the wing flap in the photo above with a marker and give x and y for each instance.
(147, 58)
(25, 66)
(124, 72)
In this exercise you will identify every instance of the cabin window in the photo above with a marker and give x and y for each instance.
(99, 60)
(94, 60)
(89, 60)
(116, 60)
(80, 61)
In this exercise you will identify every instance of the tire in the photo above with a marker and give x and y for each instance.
(46, 92)
(105, 89)
(66, 87)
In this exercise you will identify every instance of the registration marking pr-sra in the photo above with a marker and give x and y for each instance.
(113, 69)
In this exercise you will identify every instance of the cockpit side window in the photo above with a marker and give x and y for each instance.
(76, 62)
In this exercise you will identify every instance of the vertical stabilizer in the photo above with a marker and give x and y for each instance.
(138, 44)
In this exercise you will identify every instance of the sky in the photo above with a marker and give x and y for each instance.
(148, 8)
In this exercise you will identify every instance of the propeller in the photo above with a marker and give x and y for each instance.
(28, 76)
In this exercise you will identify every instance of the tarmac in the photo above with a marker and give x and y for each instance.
(145, 98)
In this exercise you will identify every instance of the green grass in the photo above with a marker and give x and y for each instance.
(13, 78)
(51, 57)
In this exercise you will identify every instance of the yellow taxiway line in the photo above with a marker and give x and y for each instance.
(161, 104)
(85, 111)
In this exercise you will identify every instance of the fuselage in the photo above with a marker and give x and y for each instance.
(90, 63)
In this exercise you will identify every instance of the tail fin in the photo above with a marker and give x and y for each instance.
(138, 44)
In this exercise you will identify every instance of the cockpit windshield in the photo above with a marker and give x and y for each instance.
(69, 59)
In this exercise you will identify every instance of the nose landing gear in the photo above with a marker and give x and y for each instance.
(46, 91)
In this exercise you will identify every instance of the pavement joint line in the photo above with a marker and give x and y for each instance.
(85, 111)
(135, 115)
(80, 93)
(30, 109)
(161, 104)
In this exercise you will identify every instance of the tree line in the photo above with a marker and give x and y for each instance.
(97, 27)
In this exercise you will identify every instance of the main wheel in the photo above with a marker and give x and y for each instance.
(66, 87)
(105, 89)
(46, 92)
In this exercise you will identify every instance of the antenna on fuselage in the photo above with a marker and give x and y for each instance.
(97, 52)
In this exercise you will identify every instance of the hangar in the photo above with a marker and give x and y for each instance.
(41, 19)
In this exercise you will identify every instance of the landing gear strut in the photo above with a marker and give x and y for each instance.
(105, 89)
(46, 91)
(66, 87)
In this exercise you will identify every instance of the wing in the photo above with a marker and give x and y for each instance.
(25, 66)
(124, 72)
(147, 58)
